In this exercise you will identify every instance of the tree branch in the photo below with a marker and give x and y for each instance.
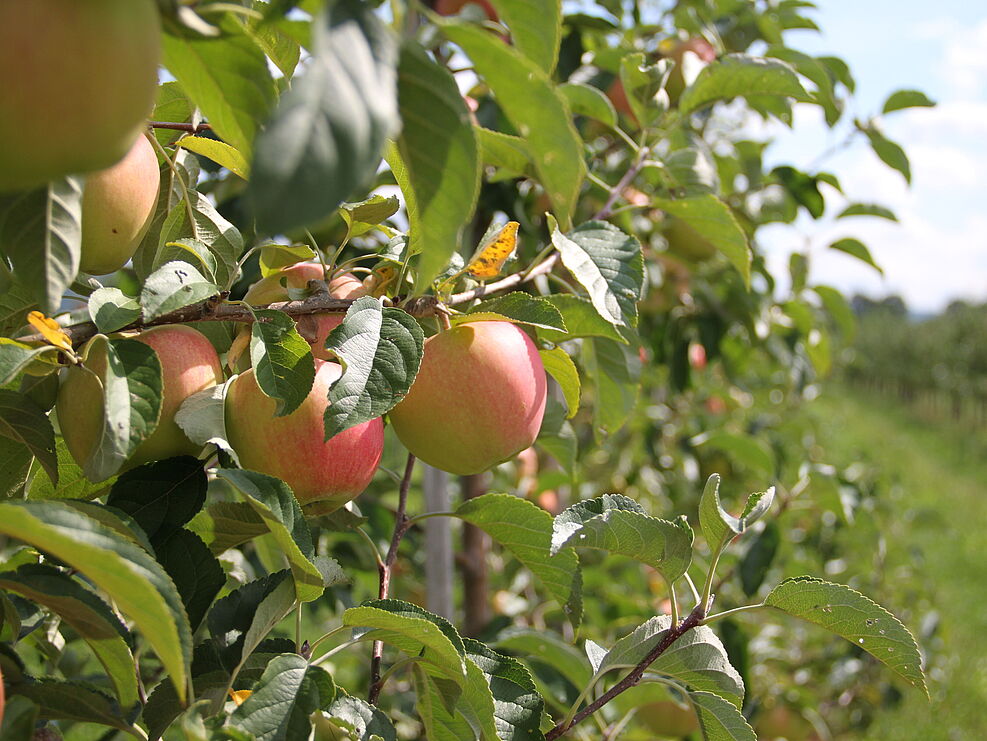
(190, 128)
(694, 619)
(401, 524)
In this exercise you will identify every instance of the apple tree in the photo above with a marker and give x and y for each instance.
(270, 268)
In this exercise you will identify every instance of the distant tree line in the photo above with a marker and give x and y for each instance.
(937, 363)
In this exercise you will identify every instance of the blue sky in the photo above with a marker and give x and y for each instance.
(938, 250)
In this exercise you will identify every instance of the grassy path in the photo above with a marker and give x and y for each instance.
(938, 477)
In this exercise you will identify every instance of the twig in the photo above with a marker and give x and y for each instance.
(401, 524)
(677, 631)
(215, 309)
(190, 128)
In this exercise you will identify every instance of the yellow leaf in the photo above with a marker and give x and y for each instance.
(491, 257)
(239, 696)
(237, 348)
(50, 330)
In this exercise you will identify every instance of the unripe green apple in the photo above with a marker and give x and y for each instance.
(478, 400)
(79, 79)
(189, 364)
(117, 208)
(313, 327)
(293, 449)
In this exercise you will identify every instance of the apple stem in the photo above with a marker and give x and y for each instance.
(401, 524)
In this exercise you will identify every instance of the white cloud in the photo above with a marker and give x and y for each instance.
(963, 67)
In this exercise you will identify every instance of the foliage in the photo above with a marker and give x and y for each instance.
(597, 185)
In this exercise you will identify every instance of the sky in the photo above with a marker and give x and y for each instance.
(937, 252)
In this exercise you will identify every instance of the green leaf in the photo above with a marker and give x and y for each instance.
(719, 720)
(189, 216)
(856, 618)
(275, 257)
(867, 209)
(608, 264)
(641, 83)
(225, 525)
(816, 71)
(517, 705)
(616, 371)
(536, 28)
(87, 614)
(72, 481)
(581, 320)
(557, 437)
(381, 350)
(161, 496)
(608, 524)
(889, 152)
(15, 357)
(41, 233)
(715, 223)
(111, 309)
(219, 152)
(202, 417)
(363, 216)
(24, 422)
(585, 100)
(856, 248)
(717, 523)
(450, 713)
(329, 130)
(525, 529)
(361, 718)
(288, 692)
(228, 79)
(20, 718)
(839, 309)
(901, 99)
(517, 307)
(281, 359)
(744, 449)
(437, 163)
(172, 286)
(736, 75)
(197, 573)
(69, 700)
(504, 151)
(273, 501)
(556, 149)
(241, 620)
(132, 579)
(549, 648)
(132, 397)
(758, 559)
(697, 659)
(560, 366)
(413, 630)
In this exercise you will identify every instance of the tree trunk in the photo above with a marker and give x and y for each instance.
(473, 564)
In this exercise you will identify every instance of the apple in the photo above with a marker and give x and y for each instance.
(293, 449)
(697, 355)
(117, 207)
(452, 7)
(478, 400)
(189, 363)
(313, 327)
(79, 79)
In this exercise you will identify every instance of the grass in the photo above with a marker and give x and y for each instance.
(937, 475)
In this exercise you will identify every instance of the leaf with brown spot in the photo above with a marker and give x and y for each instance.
(490, 258)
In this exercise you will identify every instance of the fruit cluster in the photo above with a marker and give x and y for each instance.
(478, 399)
